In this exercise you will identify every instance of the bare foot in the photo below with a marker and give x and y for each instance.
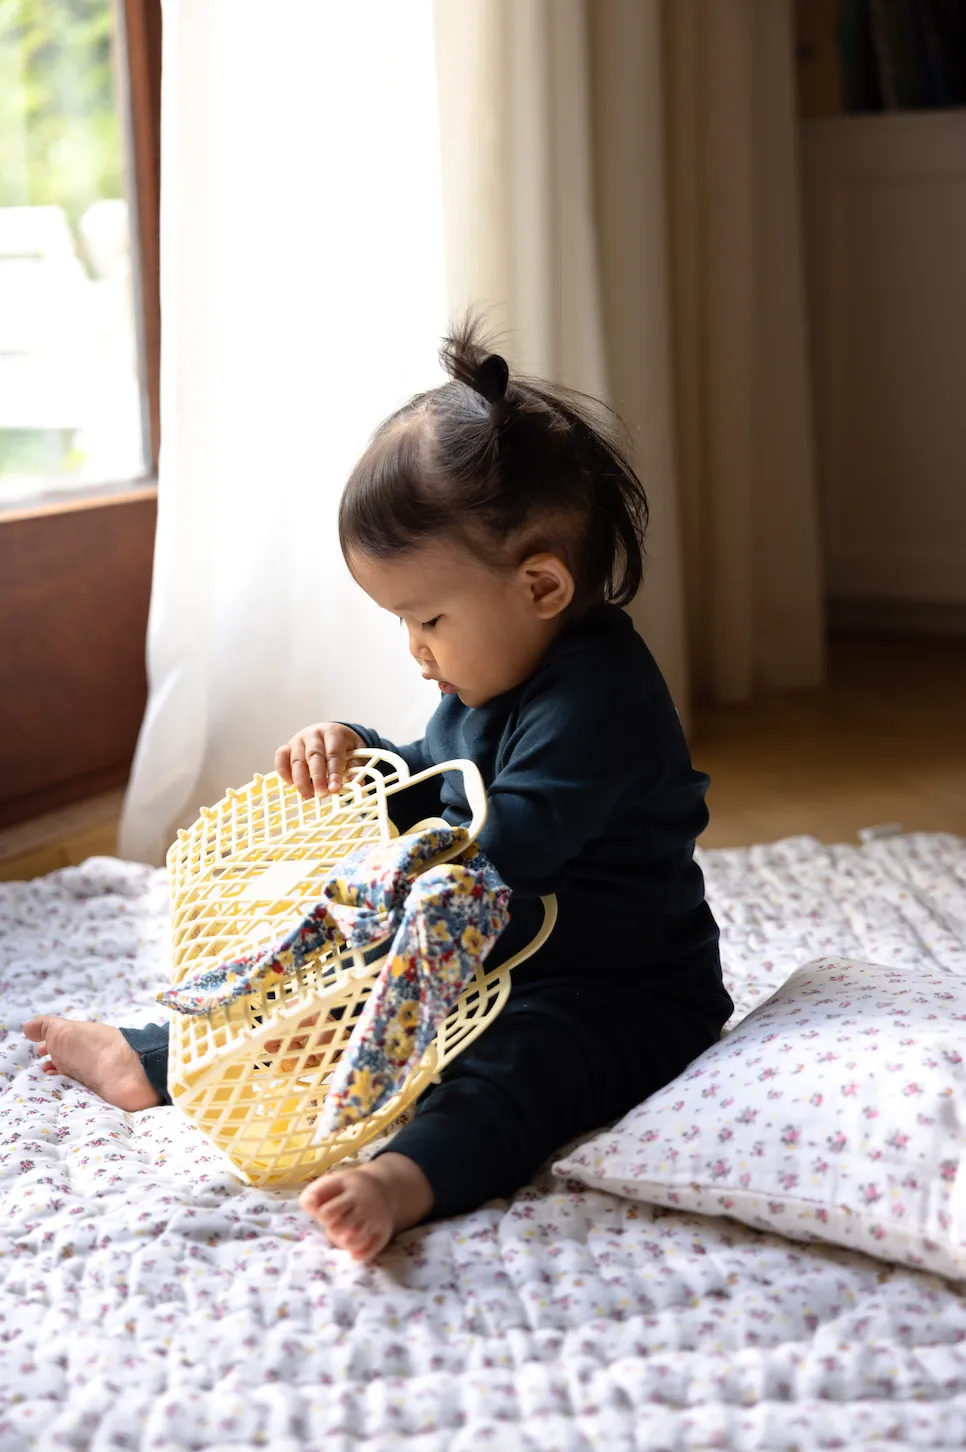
(95, 1054)
(361, 1210)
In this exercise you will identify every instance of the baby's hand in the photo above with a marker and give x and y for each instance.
(314, 760)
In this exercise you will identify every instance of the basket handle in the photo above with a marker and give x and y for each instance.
(549, 905)
(472, 786)
(476, 800)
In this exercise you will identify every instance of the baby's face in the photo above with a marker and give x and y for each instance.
(477, 631)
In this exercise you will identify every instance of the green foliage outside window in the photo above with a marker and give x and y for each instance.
(61, 144)
(60, 137)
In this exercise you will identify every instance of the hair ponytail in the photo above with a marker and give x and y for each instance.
(508, 466)
(466, 361)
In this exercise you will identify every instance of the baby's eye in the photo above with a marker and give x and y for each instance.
(429, 624)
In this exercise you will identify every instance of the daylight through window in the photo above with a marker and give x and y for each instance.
(71, 411)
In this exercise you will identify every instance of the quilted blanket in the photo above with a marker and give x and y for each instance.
(150, 1301)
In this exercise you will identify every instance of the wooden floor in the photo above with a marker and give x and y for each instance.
(61, 839)
(884, 742)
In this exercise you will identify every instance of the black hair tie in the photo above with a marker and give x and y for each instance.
(492, 377)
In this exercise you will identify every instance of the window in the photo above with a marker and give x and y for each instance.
(73, 411)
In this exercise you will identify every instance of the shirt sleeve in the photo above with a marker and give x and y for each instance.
(564, 778)
(415, 755)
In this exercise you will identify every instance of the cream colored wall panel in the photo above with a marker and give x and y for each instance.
(885, 207)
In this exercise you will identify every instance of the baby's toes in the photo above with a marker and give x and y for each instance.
(368, 1239)
(355, 1238)
(338, 1214)
(360, 1238)
(370, 1247)
(337, 1227)
(320, 1193)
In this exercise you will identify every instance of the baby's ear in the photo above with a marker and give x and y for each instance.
(549, 584)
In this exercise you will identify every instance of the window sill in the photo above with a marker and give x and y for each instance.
(94, 497)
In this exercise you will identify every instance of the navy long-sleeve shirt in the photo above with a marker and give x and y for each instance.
(591, 796)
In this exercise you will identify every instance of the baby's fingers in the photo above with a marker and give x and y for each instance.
(335, 755)
(314, 761)
(300, 755)
(283, 763)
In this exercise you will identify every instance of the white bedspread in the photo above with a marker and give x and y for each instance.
(147, 1300)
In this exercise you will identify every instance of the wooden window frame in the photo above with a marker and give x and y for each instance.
(140, 26)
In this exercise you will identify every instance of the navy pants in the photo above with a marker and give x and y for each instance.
(564, 1057)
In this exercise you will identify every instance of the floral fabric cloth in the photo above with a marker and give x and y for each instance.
(452, 917)
(360, 907)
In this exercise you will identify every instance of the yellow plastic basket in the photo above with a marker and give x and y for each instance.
(254, 1074)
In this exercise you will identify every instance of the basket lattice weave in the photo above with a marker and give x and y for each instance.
(254, 1074)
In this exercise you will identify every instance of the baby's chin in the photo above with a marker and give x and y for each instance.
(475, 696)
(467, 695)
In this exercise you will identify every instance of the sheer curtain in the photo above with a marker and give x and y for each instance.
(303, 298)
(742, 394)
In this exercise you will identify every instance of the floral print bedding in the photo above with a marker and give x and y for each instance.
(149, 1301)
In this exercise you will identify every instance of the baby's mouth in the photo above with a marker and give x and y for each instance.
(446, 687)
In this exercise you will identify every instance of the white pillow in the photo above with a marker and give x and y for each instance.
(835, 1111)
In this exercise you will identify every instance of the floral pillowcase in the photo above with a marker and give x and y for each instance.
(836, 1111)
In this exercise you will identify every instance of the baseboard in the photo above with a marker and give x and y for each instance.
(49, 802)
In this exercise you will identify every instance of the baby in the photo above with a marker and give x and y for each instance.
(501, 521)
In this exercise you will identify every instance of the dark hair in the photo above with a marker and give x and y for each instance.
(509, 467)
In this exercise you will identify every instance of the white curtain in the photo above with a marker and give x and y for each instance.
(742, 393)
(620, 184)
(302, 299)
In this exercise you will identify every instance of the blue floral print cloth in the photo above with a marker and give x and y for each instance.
(361, 906)
(443, 921)
(452, 917)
